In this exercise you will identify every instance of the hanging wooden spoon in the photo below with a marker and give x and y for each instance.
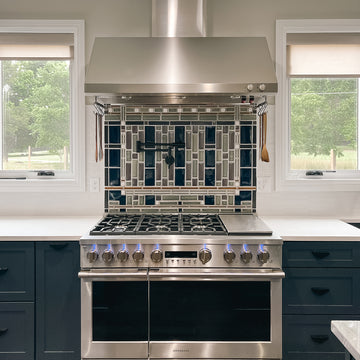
(264, 152)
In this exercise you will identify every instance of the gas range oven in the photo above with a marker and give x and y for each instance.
(181, 286)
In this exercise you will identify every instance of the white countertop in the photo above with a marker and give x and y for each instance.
(348, 332)
(34, 228)
(312, 229)
(37, 228)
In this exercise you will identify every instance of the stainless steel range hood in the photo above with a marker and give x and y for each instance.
(179, 69)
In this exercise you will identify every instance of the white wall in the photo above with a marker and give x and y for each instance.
(225, 18)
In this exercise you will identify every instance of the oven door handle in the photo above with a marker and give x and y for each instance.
(111, 276)
(215, 276)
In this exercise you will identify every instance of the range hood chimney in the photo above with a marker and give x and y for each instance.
(179, 64)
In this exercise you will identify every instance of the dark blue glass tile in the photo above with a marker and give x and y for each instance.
(209, 200)
(106, 199)
(114, 134)
(254, 135)
(209, 158)
(149, 199)
(179, 158)
(210, 135)
(237, 200)
(149, 159)
(150, 133)
(245, 195)
(245, 135)
(149, 177)
(245, 158)
(209, 177)
(179, 177)
(254, 158)
(114, 177)
(106, 180)
(179, 134)
(245, 177)
(114, 157)
(116, 196)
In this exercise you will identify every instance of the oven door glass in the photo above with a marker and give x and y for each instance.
(210, 311)
(120, 311)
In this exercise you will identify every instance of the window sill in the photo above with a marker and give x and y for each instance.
(42, 185)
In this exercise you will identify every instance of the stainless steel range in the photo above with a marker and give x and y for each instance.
(181, 286)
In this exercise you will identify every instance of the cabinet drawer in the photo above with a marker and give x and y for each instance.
(16, 271)
(321, 291)
(310, 337)
(321, 254)
(16, 331)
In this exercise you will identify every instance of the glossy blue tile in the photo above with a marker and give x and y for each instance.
(114, 177)
(179, 177)
(209, 177)
(209, 158)
(114, 134)
(245, 158)
(149, 159)
(209, 200)
(245, 134)
(179, 158)
(116, 196)
(150, 133)
(179, 134)
(149, 199)
(210, 135)
(114, 157)
(149, 177)
(245, 177)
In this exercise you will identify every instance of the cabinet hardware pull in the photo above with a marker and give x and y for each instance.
(319, 291)
(3, 331)
(320, 254)
(59, 246)
(3, 269)
(319, 338)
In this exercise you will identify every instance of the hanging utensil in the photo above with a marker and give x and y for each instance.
(100, 124)
(96, 137)
(264, 151)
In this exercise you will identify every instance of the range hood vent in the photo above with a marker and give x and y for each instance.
(179, 69)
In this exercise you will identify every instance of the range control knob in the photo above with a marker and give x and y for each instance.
(262, 87)
(156, 255)
(250, 87)
(205, 255)
(123, 255)
(138, 255)
(229, 255)
(108, 255)
(92, 255)
(245, 256)
(263, 255)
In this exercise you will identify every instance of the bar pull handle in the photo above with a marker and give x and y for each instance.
(319, 338)
(3, 331)
(320, 291)
(320, 254)
(3, 269)
(59, 246)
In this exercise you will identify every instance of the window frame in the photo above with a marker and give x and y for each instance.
(294, 180)
(73, 180)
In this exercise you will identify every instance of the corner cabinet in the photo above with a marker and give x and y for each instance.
(321, 284)
(39, 301)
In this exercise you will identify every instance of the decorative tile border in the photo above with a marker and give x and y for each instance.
(214, 171)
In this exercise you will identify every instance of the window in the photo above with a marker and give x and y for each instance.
(42, 105)
(318, 69)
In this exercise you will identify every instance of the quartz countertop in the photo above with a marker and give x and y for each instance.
(348, 332)
(311, 229)
(52, 228)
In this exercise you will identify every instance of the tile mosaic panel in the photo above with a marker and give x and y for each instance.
(214, 160)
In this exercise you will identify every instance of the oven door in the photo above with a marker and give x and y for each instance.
(209, 314)
(114, 314)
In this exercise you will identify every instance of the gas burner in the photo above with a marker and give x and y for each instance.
(158, 228)
(201, 221)
(159, 221)
(203, 228)
(120, 228)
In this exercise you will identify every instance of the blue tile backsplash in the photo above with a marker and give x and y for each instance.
(214, 167)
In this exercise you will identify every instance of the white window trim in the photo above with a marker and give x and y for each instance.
(283, 179)
(77, 182)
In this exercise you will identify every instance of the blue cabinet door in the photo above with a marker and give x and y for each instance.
(57, 301)
(17, 271)
(16, 331)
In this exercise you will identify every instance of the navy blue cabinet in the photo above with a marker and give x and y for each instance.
(57, 301)
(39, 301)
(321, 284)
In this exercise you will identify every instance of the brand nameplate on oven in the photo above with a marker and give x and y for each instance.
(181, 254)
